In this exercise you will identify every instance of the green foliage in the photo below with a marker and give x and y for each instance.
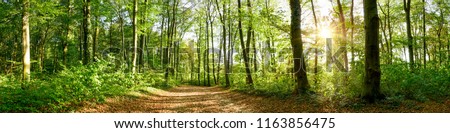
(276, 85)
(421, 85)
(65, 91)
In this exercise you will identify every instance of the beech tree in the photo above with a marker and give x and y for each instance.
(297, 48)
(26, 40)
(372, 52)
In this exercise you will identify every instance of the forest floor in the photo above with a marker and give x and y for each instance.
(194, 99)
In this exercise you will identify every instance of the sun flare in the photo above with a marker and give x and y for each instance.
(325, 32)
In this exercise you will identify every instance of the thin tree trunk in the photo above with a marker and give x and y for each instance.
(95, 39)
(135, 36)
(391, 55)
(225, 60)
(407, 7)
(199, 57)
(67, 39)
(424, 35)
(255, 63)
(42, 47)
(122, 40)
(344, 34)
(244, 49)
(230, 47)
(207, 46)
(86, 27)
(26, 41)
(142, 38)
(212, 48)
(316, 28)
(80, 46)
(352, 23)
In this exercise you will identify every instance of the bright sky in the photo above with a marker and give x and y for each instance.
(323, 8)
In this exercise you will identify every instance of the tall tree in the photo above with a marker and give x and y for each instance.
(372, 52)
(223, 19)
(86, 32)
(95, 37)
(26, 40)
(297, 48)
(407, 8)
(423, 36)
(208, 22)
(142, 37)
(352, 24)
(244, 49)
(344, 34)
(316, 38)
(135, 36)
(66, 41)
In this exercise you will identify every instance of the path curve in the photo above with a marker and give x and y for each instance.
(190, 99)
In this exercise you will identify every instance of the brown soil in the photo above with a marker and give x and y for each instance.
(195, 99)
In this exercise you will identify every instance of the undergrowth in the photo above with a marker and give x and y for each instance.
(70, 88)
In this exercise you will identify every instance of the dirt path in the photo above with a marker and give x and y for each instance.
(194, 99)
(179, 99)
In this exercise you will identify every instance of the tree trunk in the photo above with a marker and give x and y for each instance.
(80, 45)
(352, 23)
(42, 47)
(135, 36)
(67, 39)
(407, 7)
(86, 27)
(213, 50)
(142, 38)
(255, 61)
(95, 38)
(244, 49)
(26, 41)
(207, 46)
(391, 55)
(230, 47)
(199, 57)
(297, 48)
(224, 33)
(344, 34)
(424, 39)
(316, 38)
(372, 53)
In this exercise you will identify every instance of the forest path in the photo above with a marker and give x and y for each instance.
(199, 99)
(179, 99)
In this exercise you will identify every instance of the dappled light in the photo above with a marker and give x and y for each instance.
(185, 56)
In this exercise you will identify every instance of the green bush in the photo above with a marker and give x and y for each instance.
(64, 91)
(421, 85)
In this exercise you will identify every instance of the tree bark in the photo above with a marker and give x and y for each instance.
(352, 23)
(391, 55)
(135, 36)
(66, 41)
(424, 35)
(249, 79)
(344, 34)
(316, 38)
(26, 41)
(86, 27)
(372, 52)
(95, 38)
(407, 7)
(297, 48)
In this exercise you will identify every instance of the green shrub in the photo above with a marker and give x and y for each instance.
(421, 85)
(66, 90)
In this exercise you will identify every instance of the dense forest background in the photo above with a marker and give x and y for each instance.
(58, 55)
